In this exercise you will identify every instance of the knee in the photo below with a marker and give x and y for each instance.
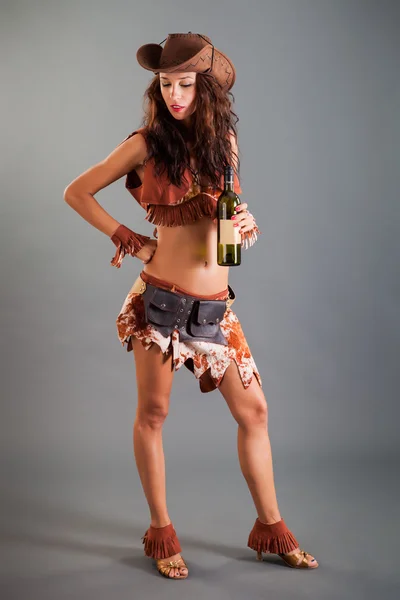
(152, 413)
(254, 415)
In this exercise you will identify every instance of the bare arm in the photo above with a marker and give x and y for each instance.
(79, 194)
(246, 221)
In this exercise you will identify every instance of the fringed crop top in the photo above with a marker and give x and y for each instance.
(171, 206)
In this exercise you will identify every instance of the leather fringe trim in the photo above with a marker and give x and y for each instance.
(275, 538)
(138, 242)
(187, 212)
(161, 542)
(250, 237)
(202, 205)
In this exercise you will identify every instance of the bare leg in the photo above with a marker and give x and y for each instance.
(249, 409)
(154, 377)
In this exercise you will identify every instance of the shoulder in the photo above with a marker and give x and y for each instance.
(136, 144)
(122, 160)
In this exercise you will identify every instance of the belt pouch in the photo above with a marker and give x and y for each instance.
(206, 317)
(161, 308)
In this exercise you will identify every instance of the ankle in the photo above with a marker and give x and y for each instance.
(159, 522)
(272, 537)
(161, 542)
(270, 518)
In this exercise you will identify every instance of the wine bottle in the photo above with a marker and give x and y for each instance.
(229, 238)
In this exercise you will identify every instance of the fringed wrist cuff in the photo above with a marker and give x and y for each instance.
(250, 237)
(275, 538)
(161, 542)
(136, 240)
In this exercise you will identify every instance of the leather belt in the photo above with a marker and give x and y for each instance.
(196, 319)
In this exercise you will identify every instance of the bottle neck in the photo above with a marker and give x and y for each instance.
(228, 184)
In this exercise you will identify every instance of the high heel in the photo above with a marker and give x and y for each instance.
(160, 543)
(276, 538)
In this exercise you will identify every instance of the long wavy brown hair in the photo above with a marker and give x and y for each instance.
(209, 135)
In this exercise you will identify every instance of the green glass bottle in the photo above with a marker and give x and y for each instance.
(229, 238)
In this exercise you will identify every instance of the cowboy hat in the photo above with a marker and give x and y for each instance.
(188, 52)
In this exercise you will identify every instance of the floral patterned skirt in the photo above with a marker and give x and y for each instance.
(198, 356)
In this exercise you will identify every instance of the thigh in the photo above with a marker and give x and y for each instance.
(244, 403)
(154, 372)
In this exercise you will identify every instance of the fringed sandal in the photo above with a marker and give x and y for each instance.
(161, 543)
(276, 538)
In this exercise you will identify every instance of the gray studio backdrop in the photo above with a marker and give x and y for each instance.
(317, 93)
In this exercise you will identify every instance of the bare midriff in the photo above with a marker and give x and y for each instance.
(187, 255)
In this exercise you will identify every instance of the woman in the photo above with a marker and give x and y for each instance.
(174, 168)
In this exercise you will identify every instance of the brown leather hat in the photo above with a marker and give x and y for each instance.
(188, 52)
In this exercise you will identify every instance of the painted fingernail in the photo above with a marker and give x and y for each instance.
(233, 217)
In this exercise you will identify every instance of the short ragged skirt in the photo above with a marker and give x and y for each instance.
(200, 357)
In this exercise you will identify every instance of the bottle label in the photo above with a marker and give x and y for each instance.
(228, 234)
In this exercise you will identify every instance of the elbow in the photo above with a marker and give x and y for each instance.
(67, 195)
(70, 195)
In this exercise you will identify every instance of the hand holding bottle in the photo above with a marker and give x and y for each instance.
(243, 218)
